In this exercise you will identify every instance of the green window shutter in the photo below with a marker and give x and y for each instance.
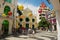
(21, 19)
(6, 10)
(8, 1)
(27, 26)
(6, 24)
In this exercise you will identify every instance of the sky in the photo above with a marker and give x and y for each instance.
(34, 5)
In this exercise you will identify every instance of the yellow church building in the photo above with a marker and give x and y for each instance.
(27, 19)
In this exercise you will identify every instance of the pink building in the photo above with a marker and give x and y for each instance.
(44, 11)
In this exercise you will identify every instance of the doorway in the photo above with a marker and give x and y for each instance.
(5, 26)
(27, 26)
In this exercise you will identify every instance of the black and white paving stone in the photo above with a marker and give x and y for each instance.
(43, 35)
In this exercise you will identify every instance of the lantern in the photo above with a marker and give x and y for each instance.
(30, 14)
(4, 15)
(9, 13)
(40, 11)
(43, 5)
(21, 7)
(22, 16)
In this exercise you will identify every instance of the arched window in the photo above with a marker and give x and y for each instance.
(21, 19)
(27, 19)
(33, 20)
(40, 15)
(6, 23)
(33, 27)
(6, 10)
(5, 26)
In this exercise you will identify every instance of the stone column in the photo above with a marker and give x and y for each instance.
(56, 6)
(10, 26)
(58, 23)
(14, 2)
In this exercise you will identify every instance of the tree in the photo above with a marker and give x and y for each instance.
(44, 22)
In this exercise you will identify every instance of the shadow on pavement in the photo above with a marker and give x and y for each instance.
(30, 37)
(37, 38)
(3, 39)
(52, 38)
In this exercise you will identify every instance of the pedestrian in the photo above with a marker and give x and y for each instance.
(33, 32)
(30, 31)
(23, 30)
(50, 28)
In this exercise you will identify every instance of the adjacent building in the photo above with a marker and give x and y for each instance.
(7, 12)
(43, 9)
(48, 14)
(52, 19)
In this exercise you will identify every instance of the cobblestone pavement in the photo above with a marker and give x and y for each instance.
(43, 35)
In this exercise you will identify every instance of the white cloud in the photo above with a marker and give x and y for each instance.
(34, 11)
(31, 7)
